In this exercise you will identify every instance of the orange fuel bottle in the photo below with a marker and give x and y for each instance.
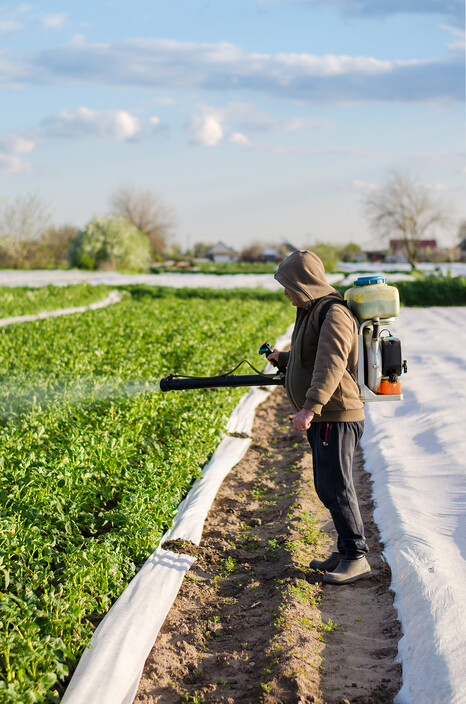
(388, 387)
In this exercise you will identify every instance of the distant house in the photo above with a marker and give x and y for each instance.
(286, 248)
(270, 255)
(220, 253)
(426, 247)
(462, 248)
(396, 259)
(375, 256)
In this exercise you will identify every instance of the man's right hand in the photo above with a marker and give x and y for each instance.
(273, 357)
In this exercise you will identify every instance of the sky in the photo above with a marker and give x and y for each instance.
(252, 120)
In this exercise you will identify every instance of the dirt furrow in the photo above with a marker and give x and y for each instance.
(251, 623)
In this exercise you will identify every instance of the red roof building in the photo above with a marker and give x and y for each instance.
(397, 246)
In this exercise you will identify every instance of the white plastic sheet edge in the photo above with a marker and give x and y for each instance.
(113, 297)
(110, 668)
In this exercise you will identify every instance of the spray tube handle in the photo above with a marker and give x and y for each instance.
(266, 349)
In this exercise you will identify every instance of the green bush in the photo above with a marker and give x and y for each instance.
(110, 243)
(433, 291)
(328, 253)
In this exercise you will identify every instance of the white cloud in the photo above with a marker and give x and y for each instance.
(23, 7)
(9, 26)
(163, 100)
(434, 186)
(157, 127)
(299, 124)
(78, 40)
(54, 20)
(16, 144)
(205, 129)
(239, 138)
(374, 8)
(447, 161)
(13, 165)
(458, 34)
(111, 124)
(360, 186)
(171, 65)
(251, 118)
(331, 65)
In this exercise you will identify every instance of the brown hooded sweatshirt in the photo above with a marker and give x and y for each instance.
(322, 363)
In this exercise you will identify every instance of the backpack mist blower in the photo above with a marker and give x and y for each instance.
(380, 364)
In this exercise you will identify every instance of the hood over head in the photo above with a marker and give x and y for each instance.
(303, 274)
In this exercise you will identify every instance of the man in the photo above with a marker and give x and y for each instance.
(321, 385)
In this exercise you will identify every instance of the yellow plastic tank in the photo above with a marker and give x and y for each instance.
(370, 298)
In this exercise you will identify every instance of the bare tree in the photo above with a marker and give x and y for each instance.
(347, 252)
(55, 244)
(252, 252)
(405, 208)
(26, 217)
(201, 249)
(462, 232)
(147, 211)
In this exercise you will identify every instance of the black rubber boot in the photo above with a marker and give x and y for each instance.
(329, 564)
(348, 571)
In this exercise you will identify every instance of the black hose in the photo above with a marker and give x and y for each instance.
(180, 384)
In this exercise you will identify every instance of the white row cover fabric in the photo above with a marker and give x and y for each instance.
(110, 669)
(61, 277)
(42, 277)
(113, 297)
(415, 451)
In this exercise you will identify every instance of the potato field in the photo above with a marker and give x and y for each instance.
(28, 301)
(94, 459)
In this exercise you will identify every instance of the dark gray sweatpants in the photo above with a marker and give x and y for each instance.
(333, 446)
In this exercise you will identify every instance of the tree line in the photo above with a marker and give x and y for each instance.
(140, 230)
(136, 232)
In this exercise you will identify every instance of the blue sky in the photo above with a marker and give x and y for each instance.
(253, 120)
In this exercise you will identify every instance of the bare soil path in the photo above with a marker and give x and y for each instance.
(251, 623)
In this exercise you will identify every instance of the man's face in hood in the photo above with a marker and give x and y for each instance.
(302, 275)
(293, 298)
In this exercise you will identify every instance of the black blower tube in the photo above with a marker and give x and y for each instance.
(172, 384)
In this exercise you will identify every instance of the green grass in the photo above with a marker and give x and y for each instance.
(95, 461)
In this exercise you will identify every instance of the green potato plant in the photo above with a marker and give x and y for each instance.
(95, 460)
(28, 301)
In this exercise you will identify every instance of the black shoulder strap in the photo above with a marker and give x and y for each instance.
(332, 300)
